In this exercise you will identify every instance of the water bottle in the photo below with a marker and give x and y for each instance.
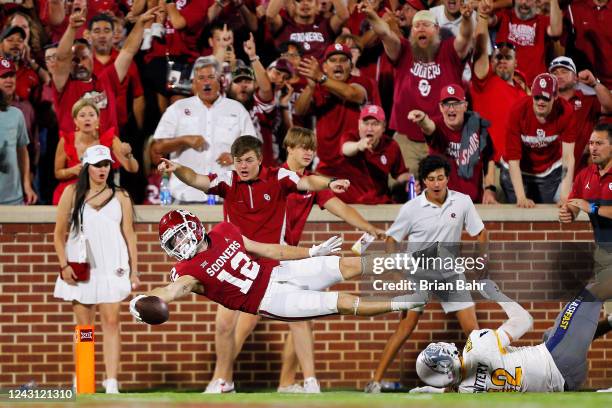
(164, 190)
(212, 199)
(391, 385)
(410, 188)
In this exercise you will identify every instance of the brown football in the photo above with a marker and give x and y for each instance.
(153, 310)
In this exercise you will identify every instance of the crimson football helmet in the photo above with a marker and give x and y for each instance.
(180, 234)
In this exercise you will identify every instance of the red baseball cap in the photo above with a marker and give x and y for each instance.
(372, 111)
(452, 91)
(337, 48)
(6, 66)
(416, 4)
(544, 85)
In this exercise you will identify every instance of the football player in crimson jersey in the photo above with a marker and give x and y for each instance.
(489, 364)
(219, 266)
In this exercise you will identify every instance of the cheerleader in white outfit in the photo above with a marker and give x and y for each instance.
(98, 218)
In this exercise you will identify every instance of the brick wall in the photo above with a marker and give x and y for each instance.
(36, 330)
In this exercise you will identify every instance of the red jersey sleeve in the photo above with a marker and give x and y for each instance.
(112, 78)
(220, 183)
(579, 181)
(324, 196)
(437, 140)
(288, 180)
(514, 147)
(481, 84)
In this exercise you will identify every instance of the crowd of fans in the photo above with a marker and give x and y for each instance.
(508, 92)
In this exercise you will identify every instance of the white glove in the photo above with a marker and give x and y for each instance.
(426, 390)
(331, 246)
(133, 310)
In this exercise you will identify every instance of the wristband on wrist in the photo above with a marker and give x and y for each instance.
(64, 267)
(331, 181)
(255, 58)
(485, 16)
(593, 209)
(492, 188)
(284, 107)
(169, 1)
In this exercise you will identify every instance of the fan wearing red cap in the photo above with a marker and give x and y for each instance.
(539, 147)
(335, 97)
(424, 63)
(371, 157)
(304, 24)
(462, 137)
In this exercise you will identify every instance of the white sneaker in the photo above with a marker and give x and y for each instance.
(311, 386)
(605, 390)
(111, 386)
(291, 389)
(373, 387)
(219, 386)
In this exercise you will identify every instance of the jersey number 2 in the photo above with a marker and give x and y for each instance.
(249, 270)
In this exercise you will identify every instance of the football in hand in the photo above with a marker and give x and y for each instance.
(153, 310)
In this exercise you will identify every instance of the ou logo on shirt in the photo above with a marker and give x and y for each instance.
(267, 197)
(424, 87)
(610, 186)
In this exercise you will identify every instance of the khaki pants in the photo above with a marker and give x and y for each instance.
(412, 152)
(603, 270)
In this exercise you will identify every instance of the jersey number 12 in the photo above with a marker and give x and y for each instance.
(249, 270)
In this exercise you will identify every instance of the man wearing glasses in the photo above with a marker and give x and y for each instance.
(539, 147)
(462, 137)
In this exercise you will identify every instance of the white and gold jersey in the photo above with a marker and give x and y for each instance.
(488, 366)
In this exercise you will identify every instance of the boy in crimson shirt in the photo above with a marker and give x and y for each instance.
(254, 200)
(540, 147)
(529, 32)
(462, 137)
(372, 157)
(335, 97)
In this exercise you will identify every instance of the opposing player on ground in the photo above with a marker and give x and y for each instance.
(489, 364)
(217, 265)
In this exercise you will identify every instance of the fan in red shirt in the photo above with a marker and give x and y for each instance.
(587, 107)
(462, 137)
(540, 147)
(529, 32)
(12, 47)
(494, 87)
(254, 200)
(74, 79)
(373, 156)
(301, 24)
(335, 98)
(100, 30)
(591, 32)
(424, 64)
(252, 88)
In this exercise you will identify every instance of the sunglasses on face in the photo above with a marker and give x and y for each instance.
(507, 57)
(454, 105)
(504, 44)
(103, 163)
(541, 98)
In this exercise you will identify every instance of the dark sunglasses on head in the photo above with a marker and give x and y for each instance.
(102, 163)
(504, 44)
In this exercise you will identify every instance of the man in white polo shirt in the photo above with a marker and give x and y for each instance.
(198, 132)
(437, 215)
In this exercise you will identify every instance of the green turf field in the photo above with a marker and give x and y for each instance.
(339, 399)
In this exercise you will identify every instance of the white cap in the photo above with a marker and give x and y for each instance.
(564, 62)
(96, 154)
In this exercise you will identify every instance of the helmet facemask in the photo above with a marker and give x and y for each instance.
(439, 365)
(180, 241)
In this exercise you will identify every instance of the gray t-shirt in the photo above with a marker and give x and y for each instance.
(13, 134)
